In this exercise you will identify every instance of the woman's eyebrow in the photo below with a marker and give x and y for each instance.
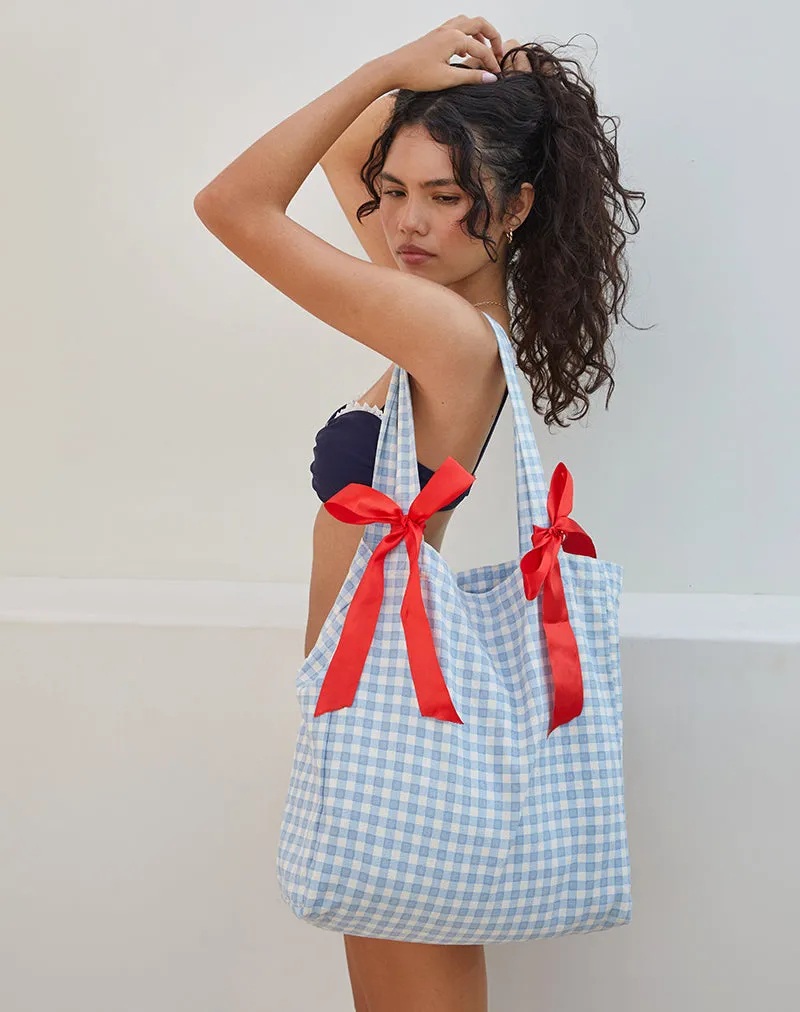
(389, 178)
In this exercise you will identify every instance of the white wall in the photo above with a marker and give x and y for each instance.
(142, 774)
(158, 405)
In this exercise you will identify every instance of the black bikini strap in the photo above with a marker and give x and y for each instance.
(494, 423)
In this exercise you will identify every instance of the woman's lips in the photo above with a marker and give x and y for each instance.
(416, 258)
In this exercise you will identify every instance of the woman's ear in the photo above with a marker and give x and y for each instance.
(521, 205)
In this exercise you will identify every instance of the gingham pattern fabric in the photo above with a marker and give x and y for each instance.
(411, 828)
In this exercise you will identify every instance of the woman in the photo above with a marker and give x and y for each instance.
(510, 183)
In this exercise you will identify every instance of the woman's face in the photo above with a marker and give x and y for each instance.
(428, 216)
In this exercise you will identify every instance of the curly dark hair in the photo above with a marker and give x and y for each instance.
(566, 269)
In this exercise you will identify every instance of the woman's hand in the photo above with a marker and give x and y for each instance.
(519, 62)
(424, 65)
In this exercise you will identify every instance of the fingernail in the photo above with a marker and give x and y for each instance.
(488, 77)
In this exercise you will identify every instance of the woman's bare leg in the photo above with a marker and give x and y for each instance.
(416, 977)
(359, 998)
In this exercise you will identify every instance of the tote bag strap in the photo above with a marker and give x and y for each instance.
(396, 473)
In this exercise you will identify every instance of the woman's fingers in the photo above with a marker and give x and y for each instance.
(519, 62)
(481, 29)
(482, 54)
(488, 33)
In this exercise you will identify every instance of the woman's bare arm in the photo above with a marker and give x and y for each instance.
(342, 167)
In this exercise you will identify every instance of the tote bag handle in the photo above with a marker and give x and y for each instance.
(396, 494)
(396, 473)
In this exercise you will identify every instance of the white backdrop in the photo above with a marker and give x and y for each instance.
(158, 405)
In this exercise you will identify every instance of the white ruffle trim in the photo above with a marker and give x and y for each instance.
(356, 405)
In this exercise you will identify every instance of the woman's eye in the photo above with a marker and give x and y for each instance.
(447, 200)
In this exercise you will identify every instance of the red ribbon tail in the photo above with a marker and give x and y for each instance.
(433, 696)
(563, 650)
(344, 671)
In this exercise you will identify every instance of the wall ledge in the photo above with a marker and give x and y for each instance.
(765, 618)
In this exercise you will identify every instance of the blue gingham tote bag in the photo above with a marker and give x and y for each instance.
(457, 775)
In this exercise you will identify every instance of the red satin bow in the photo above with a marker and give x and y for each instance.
(541, 569)
(361, 504)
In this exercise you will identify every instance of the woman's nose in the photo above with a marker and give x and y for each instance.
(411, 215)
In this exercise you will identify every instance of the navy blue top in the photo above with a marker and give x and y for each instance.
(344, 452)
